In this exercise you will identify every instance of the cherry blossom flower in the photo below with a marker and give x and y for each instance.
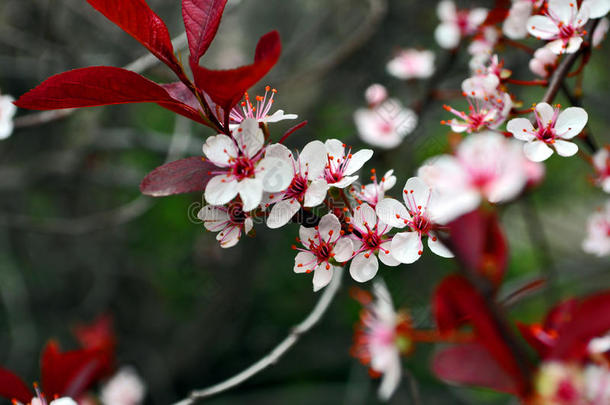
(486, 113)
(412, 64)
(324, 248)
(515, 24)
(563, 25)
(244, 171)
(601, 163)
(456, 24)
(340, 166)
(419, 216)
(230, 222)
(375, 94)
(124, 388)
(486, 166)
(597, 241)
(306, 189)
(600, 32)
(370, 239)
(374, 192)
(385, 125)
(260, 112)
(597, 8)
(553, 129)
(381, 336)
(7, 111)
(482, 46)
(543, 62)
(482, 85)
(597, 384)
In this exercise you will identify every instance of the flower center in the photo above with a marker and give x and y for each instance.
(422, 224)
(243, 168)
(546, 134)
(372, 240)
(297, 188)
(237, 215)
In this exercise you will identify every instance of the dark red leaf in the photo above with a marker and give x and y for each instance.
(137, 19)
(226, 87)
(13, 387)
(70, 373)
(99, 336)
(456, 301)
(478, 242)
(471, 364)
(497, 14)
(201, 20)
(590, 319)
(179, 177)
(93, 86)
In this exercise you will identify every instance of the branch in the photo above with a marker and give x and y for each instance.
(139, 65)
(274, 355)
(564, 67)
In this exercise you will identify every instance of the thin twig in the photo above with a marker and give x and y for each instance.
(274, 356)
(139, 65)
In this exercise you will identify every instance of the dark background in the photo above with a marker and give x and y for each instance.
(77, 239)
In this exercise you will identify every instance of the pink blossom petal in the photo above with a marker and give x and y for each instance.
(437, 247)
(385, 254)
(229, 237)
(329, 228)
(304, 261)
(545, 112)
(416, 191)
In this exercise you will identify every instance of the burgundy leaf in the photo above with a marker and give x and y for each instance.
(590, 319)
(137, 19)
(201, 20)
(456, 301)
(226, 87)
(179, 177)
(70, 373)
(12, 387)
(498, 13)
(478, 242)
(471, 364)
(93, 86)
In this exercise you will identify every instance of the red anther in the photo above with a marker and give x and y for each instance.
(397, 216)
(372, 178)
(300, 265)
(349, 156)
(293, 247)
(443, 122)
(420, 252)
(345, 209)
(330, 232)
(327, 266)
(373, 171)
(434, 239)
(267, 88)
(316, 228)
(367, 255)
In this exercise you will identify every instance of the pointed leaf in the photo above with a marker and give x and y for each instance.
(471, 364)
(456, 301)
(137, 19)
(226, 87)
(478, 242)
(179, 177)
(13, 387)
(101, 85)
(201, 20)
(70, 373)
(590, 319)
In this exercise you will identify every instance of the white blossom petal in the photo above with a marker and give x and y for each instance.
(436, 246)
(220, 190)
(542, 27)
(275, 174)
(545, 112)
(416, 191)
(329, 228)
(537, 151)
(282, 212)
(571, 122)
(406, 247)
(343, 250)
(313, 157)
(385, 254)
(392, 212)
(447, 35)
(322, 276)
(219, 149)
(251, 193)
(315, 194)
(304, 261)
(249, 137)
(363, 269)
(565, 148)
(229, 236)
(358, 160)
(521, 128)
(364, 216)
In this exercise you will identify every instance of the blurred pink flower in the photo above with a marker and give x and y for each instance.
(412, 64)
(124, 388)
(601, 163)
(456, 24)
(7, 112)
(597, 241)
(543, 62)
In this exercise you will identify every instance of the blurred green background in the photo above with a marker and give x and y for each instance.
(77, 239)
